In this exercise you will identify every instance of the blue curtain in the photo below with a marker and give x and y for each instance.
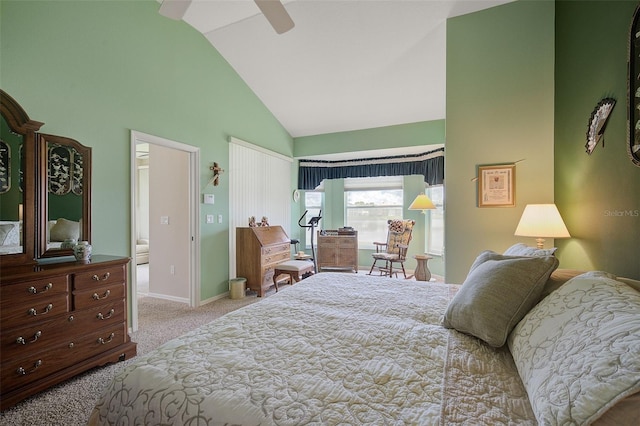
(429, 164)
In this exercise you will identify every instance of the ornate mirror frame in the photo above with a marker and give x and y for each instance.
(64, 170)
(633, 105)
(20, 124)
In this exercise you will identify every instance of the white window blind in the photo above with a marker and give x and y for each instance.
(259, 185)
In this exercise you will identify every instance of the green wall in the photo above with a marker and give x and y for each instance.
(94, 70)
(500, 106)
(598, 194)
(404, 135)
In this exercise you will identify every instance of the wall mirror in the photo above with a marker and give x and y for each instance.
(633, 105)
(65, 195)
(17, 182)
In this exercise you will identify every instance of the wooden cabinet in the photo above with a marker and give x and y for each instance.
(258, 250)
(337, 251)
(58, 320)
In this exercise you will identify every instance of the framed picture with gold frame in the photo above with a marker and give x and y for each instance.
(497, 186)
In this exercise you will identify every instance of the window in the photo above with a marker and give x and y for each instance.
(435, 226)
(369, 203)
(313, 205)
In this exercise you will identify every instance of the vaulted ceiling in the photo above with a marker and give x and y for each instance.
(346, 65)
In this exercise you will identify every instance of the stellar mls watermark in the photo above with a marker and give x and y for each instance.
(622, 213)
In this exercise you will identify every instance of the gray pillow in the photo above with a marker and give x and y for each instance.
(497, 293)
(65, 230)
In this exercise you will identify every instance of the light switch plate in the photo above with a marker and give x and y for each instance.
(209, 218)
(208, 198)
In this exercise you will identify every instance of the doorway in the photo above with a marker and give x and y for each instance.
(168, 222)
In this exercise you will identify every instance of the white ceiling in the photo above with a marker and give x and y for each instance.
(346, 65)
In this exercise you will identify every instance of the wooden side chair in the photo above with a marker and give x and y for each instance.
(394, 250)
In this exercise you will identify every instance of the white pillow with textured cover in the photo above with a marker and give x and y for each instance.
(520, 249)
(578, 350)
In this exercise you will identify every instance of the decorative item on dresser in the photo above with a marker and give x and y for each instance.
(338, 250)
(58, 317)
(258, 250)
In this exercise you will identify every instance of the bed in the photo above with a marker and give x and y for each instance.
(342, 348)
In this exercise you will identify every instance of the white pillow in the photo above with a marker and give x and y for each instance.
(10, 233)
(578, 350)
(520, 249)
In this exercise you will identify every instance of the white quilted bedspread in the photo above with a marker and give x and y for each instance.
(333, 349)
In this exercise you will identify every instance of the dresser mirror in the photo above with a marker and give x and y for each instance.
(45, 189)
(17, 182)
(65, 191)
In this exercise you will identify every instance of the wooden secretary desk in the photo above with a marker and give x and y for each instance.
(58, 317)
(258, 250)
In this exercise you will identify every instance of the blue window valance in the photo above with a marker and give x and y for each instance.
(429, 164)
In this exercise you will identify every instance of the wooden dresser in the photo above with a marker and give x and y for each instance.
(337, 251)
(258, 250)
(60, 319)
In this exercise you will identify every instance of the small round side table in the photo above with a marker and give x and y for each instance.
(422, 272)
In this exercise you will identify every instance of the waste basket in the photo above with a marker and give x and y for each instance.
(237, 287)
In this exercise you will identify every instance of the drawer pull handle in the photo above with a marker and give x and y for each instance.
(97, 297)
(20, 340)
(33, 290)
(21, 371)
(109, 315)
(109, 339)
(105, 276)
(47, 309)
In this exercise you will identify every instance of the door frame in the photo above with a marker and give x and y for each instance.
(194, 217)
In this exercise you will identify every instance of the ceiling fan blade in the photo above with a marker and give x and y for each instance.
(174, 9)
(276, 14)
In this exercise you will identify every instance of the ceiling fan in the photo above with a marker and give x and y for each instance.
(273, 10)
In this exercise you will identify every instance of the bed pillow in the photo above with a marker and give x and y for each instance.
(10, 234)
(498, 291)
(65, 230)
(524, 250)
(578, 351)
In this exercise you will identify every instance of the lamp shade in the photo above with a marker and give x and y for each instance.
(541, 221)
(422, 202)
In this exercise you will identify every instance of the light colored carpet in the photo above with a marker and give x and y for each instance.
(70, 403)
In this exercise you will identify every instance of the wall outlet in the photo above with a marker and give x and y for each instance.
(172, 269)
(208, 198)
(219, 218)
(209, 218)
(164, 220)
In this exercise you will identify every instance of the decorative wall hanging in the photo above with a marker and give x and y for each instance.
(496, 186)
(77, 171)
(59, 169)
(217, 171)
(598, 122)
(5, 167)
(66, 170)
(633, 103)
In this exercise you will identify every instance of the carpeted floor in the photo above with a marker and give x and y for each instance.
(70, 403)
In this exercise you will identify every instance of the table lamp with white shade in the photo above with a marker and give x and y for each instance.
(541, 221)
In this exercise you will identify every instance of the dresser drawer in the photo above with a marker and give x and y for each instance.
(33, 289)
(108, 275)
(23, 370)
(33, 311)
(275, 258)
(91, 296)
(276, 249)
(23, 340)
